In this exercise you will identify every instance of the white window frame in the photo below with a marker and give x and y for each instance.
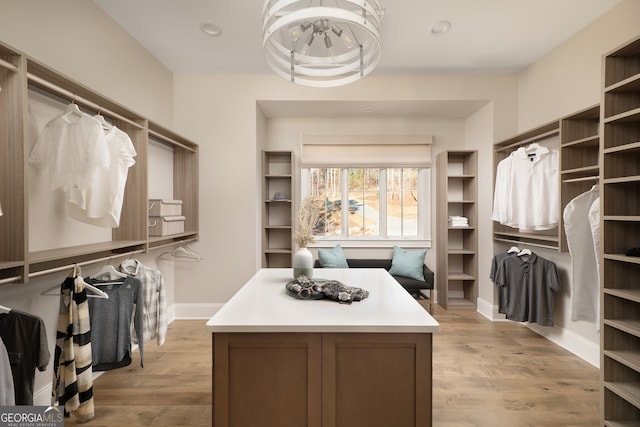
(423, 239)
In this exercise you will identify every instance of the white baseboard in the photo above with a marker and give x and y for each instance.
(195, 311)
(490, 311)
(570, 341)
(42, 397)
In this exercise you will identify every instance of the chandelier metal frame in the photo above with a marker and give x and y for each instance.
(291, 33)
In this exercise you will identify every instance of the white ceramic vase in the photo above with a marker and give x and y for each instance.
(303, 263)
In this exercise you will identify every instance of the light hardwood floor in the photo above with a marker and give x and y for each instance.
(484, 374)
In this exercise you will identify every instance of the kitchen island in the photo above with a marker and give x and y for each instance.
(282, 361)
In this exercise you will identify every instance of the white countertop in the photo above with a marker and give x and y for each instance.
(263, 305)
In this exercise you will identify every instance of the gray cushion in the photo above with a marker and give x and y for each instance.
(407, 283)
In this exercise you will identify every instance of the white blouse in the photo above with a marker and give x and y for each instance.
(74, 149)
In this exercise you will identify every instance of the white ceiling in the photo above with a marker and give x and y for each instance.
(486, 35)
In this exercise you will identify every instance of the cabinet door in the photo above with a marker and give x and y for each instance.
(376, 380)
(266, 380)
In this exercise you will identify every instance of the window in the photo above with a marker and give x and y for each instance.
(370, 203)
(371, 187)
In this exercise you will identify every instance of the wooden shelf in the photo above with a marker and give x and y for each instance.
(631, 327)
(457, 247)
(628, 391)
(528, 236)
(589, 141)
(461, 252)
(277, 251)
(461, 304)
(590, 169)
(277, 215)
(620, 212)
(546, 135)
(460, 276)
(24, 80)
(608, 423)
(634, 146)
(625, 117)
(630, 294)
(622, 258)
(579, 159)
(630, 84)
(627, 358)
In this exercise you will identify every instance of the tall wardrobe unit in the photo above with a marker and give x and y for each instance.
(277, 208)
(620, 227)
(20, 78)
(457, 218)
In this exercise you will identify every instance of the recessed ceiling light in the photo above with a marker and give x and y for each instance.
(440, 28)
(210, 29)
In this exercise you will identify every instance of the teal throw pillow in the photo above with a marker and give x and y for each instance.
(332, 258)
(408, 263)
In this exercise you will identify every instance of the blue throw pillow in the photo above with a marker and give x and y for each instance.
(408, 264)
(332, 258)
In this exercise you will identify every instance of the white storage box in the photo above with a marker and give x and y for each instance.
(166, 225)
(161, 207)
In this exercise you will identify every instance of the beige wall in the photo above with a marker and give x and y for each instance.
(76, 38)
(479, 135)
(568, 78)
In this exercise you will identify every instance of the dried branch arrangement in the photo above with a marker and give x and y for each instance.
(307, 217)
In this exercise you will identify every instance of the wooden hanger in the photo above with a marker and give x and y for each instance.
(524, 252)
(4, 310)
(513, 249)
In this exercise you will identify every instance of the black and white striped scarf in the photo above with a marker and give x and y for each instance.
(72, 377)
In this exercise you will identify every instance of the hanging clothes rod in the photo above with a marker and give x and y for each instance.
(74, 98)
(586, 178)
(9, 280)
(8, 65)
(537, 139)
(170, 141)
(82, 264)
(179, 242)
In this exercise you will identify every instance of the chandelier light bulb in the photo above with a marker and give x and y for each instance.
(296, 31)
(349, 43)
(307, 45)
(329, 46)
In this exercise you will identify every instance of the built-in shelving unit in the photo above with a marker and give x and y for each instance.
(457, 246)
(620, 230)
(545, 135)
(277, 208)
(185, 183)
(20, 78)
(579, 157)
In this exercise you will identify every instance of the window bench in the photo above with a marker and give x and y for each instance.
(417, 288)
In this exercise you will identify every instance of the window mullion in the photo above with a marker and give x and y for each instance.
(382, 188)
(344, 202)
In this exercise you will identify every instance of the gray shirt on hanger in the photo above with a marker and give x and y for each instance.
(111, 322)
(530, 281)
